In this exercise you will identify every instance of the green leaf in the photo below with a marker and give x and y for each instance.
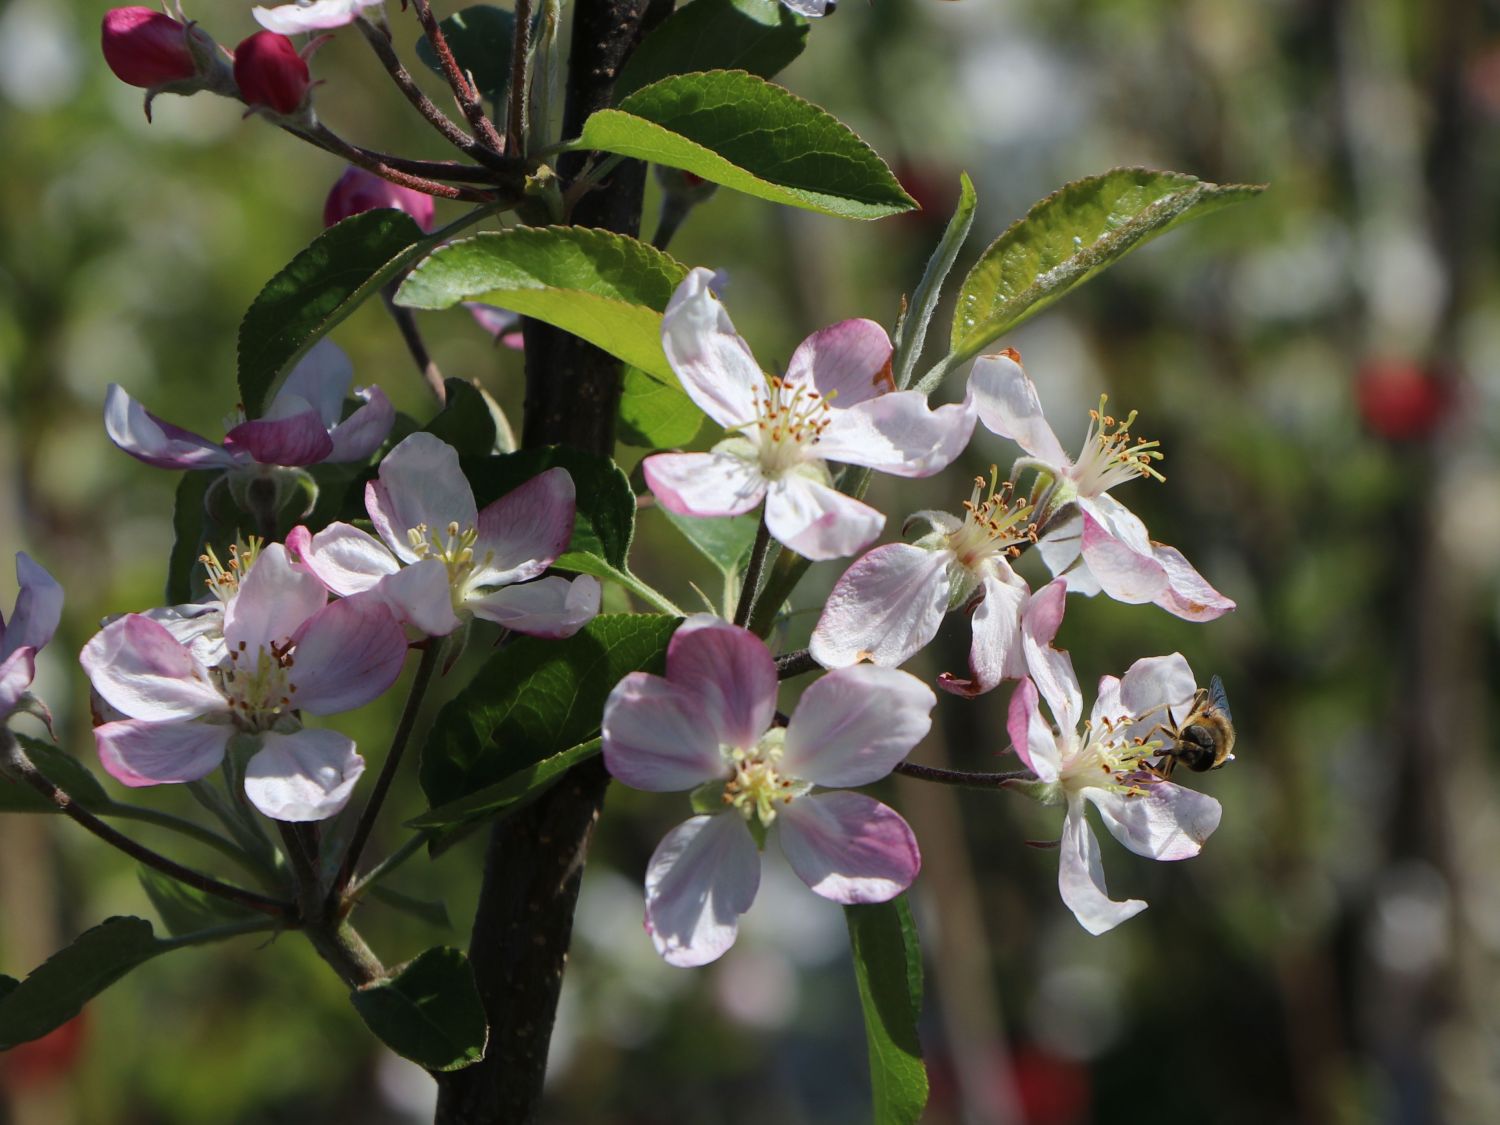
(724, 541)
(760, 36)
(741, 131)
(888, 968)
(605, 520)
(429, 1012)
(432, 911)
(1069, 237)
(655, 414)
(520, 786)
(911, 332)
(465, 421)
(533, 699)
(7, 985)
(63, 770)
(184, 909)
(57, 991)
(606, 288)
(480, 39)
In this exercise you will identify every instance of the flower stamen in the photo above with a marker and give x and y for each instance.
(1110, 456)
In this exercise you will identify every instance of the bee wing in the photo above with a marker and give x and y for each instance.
(1217, 699)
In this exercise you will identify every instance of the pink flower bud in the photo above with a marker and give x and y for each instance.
(146, 48)
(358, 191)
(270, 73)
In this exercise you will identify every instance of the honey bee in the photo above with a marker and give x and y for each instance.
(1205, 739)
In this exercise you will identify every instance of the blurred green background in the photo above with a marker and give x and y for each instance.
(1318, 364)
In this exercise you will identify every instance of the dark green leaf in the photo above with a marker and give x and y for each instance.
(57, 991)
(745, 133)
(318, 289)
(63, 770)
(606, 288)
(519, 786)
(533, 699)
(655, 414)
(7, 985)
(760, 36)
(724, 541)
(911, 333)
(480, 39)
(184, 909)
(431, 911)
(465, 421)
(429, 1012)
(1069, 237)
(888, 967)
(605, 520)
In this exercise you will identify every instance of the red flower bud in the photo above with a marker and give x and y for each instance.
(270, 73)
(146, 48)
(357, 191)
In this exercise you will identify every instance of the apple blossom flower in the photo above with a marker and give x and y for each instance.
(1107, 763)
(837, 402)
(33, 620)
(812, 9)
(890, 603)
(1117, 555)
(441, 557)
(302, 426)
(358, 191)
(311, 15)
(287, 650)
(271, 74)
(706, 726)
(503, 325)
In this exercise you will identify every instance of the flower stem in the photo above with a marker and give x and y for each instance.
(15, 761)
(520, 80)
(406, 323)
(431, 657)
(412, 846)
(963, 777)
(790, 664)
(468, 97)
(190, 829)
(753, 569)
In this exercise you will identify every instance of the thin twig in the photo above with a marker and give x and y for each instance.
(188, 828)
(963, 777)
(412, 846)
(520, 81)
(790, 664)
(17, 763)
(468, 97)
(431, 657)
(752, 571)
(406, 322)
(432, 169)
(325, 138)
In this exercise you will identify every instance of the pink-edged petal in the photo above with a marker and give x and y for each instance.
(819, 522)
(1116, 520)
(297, 19)
(38, 608)
(885, 608)
(297, 439)
(853, 725)
(848, 847)
(995, 650)
(732, 674)
(704, 484)
(137, 753)
(1165, 822)
(360, 434)
(321, 379)
(702, 877)
(1080, 877)
(498, 322)
(1007, 403)
(147, 438)
(848, 362)
(198, 625)
(714, 364)
(898, 433)
(1154, 684)
(272, 603)
(1108, 706)
(1061, 550)
(657, 737)
(141, 670)
(1031, 736)
(420, 596)
(420, 484)
(1051, 668)
(303, 776)
(345, 559)
(1122, 572)
(347, 654)
(523, 531)
(547, 607)
(1187, 594)
(16, 673)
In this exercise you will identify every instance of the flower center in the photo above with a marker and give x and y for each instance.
(258, 694)
(791, 419)
(455, 547)
(1111, 456)
(1108, 760)
(224, 578)
(993, 523)
(757, 785)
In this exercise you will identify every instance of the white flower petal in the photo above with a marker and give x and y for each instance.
(321, 380)
(714, 364)
(320, 15)
(272, 603)
(1080, 877)
(846, 363)
(897, 433)
(136, 752)
(702, 877)
(885, 608)
(304, 776)
(853, 725)
(1165, 822)
(656, 736)
(817, 521)
(141, 670)
(1007, 404)
(995, 651)
(704, 484)
(420, 485)
(549, 607)
(1051, 668)
(848, 847)
(1031, 736)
